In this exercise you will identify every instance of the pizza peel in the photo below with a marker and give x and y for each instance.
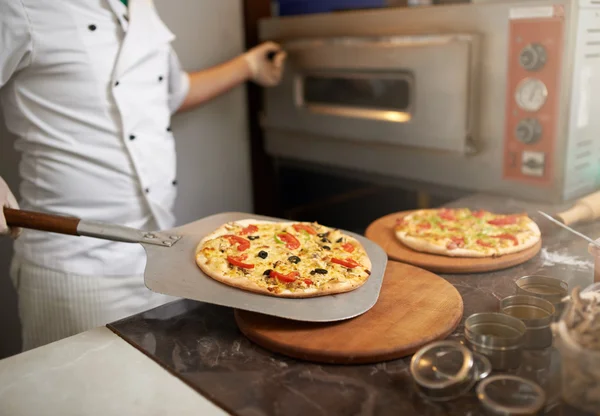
(171, 268)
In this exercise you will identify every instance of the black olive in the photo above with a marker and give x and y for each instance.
(263, 254)
(323, 235)
(326, 248)
(325, 240)
(368, 272)
(294, 259)
(253, 237)
(267, 272)
(312, 273)
(340, 240)
(319, 271)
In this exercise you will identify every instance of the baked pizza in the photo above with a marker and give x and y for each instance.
(466, 233)
(285, 259)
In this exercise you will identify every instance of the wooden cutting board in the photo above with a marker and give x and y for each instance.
(381, 231)
(415, 307)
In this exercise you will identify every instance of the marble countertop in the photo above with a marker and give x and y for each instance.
(203, 346)
(95, 373)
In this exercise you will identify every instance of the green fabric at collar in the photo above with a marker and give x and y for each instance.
(124, 2)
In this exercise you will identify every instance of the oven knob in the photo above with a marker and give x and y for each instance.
(529, 131)
(533, 57)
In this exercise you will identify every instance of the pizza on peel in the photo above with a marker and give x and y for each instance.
(284, 259)
(466, 233)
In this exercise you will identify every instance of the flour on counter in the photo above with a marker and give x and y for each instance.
(558, 258)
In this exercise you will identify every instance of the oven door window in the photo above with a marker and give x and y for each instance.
(364, 95)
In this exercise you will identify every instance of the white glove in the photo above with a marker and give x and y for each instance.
(7, 199)
(264, 71)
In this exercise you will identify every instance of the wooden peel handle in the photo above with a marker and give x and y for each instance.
(585, 209)
(41, 222)
(75, 226)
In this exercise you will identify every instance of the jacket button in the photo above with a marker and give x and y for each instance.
(147, 190)
(168, 128)
(174, 182)
(160, 78)
(92, 27)
(131, 137)
(116, 83)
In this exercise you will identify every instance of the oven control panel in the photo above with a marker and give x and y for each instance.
(534, 65)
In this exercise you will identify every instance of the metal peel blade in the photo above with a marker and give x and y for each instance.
(566, 227)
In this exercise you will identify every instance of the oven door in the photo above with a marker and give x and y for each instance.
(416, 91)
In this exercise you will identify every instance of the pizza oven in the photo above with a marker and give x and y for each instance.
(493, 96)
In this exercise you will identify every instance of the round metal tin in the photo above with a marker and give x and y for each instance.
(509, 395)
(537, 315)
(549, 288)
(497, 336)
(443, 370)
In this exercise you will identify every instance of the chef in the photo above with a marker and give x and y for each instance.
(88, 88)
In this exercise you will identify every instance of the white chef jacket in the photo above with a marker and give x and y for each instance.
(88, 87)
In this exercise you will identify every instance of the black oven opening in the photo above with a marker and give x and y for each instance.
(333, 198)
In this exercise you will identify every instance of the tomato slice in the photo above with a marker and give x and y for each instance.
(308, 282)
(349, 263)
(511, 237)
(424, 226)
(460, 241)
(305, 227)
(484, 244)
(242, 243)
(348, 247)
(503, 221)
(287, 278)
(479, 214)
(455, 242)
(239, 261)
(290, 241)
(249, 229)
(447, 214)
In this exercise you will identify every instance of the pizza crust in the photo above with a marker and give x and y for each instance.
(422, 245)
(418, 244)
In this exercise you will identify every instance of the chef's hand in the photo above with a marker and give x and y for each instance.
(264, 71)
(7, 199)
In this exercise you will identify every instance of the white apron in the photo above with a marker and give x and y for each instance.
(55, 305)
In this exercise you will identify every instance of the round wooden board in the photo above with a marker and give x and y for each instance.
(415, 307)
(381, 231)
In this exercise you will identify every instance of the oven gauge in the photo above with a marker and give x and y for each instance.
(531, 94)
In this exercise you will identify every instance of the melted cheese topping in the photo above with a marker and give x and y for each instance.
(270, 255)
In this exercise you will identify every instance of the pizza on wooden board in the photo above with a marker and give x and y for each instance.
(466, 233)
(284, 259)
